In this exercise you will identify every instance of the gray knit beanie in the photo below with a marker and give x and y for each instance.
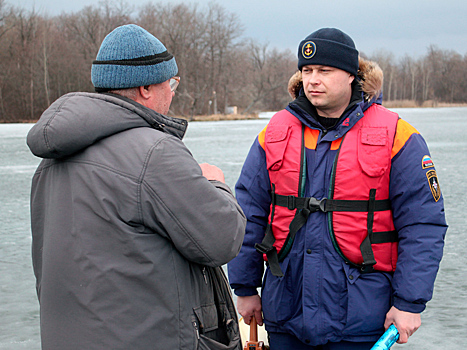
(329, 47)
(130, 57)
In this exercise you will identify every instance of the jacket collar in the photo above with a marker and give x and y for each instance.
(171, 125)
(302, 108)
(78, 120)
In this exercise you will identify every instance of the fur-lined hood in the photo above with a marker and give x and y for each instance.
(370, 76)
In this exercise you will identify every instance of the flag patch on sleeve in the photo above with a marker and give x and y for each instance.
(427, 162)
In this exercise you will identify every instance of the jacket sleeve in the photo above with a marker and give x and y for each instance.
(253, 194)
(201, 218)
(419, 218)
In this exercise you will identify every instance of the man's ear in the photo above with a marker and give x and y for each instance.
(144, 92)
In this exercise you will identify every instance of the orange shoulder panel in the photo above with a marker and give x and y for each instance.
(311, 138)
(261, 136)
(336, 144)
(403, 132)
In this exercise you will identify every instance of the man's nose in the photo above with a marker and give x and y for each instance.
(315, 78)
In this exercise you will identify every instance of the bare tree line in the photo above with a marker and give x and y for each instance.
(42, 58)
(440, 76)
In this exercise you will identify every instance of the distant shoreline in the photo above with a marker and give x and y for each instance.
(222, 117)
(218, 117)
(196, 118)
(425, 104)
(388, 104)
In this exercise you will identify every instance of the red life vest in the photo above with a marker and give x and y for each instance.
(361, 224)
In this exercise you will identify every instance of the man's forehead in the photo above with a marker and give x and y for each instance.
(318, 66)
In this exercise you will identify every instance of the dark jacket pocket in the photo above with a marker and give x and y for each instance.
(215, 320)
(278, 295)
(206, 343)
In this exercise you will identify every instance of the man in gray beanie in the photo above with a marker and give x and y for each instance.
(342, 200)
(128, 230)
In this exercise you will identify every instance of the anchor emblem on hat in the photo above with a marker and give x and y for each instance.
(309, 49)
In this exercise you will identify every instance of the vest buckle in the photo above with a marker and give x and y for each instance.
(316, 205)
(291, 205)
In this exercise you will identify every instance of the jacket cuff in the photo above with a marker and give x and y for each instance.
(222, 186)
(406, 306)
(245, 291)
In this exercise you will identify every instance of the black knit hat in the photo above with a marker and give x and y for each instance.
(329, 47)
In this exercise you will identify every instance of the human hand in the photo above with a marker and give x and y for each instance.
(406, 323)
(249, 307)
(211, 172)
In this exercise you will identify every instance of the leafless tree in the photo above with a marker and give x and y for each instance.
(42, 58)
(270, 71)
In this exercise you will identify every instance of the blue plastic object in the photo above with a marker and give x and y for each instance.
(387, 339)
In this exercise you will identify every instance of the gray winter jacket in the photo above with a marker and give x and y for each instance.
(122, 222)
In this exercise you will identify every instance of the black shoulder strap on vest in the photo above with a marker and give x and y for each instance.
(267, 245)
(367, 252)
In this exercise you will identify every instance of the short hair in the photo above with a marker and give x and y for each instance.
(131, 93)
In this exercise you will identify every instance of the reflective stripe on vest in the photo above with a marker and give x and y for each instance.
(360, 219)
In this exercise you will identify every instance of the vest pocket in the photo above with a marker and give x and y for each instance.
(276, 143)
(373, 150)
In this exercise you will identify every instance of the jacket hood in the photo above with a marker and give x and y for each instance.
(77, 120)
(370, 77)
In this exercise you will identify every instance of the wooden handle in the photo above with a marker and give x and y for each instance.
(253, 330)
(253, 343)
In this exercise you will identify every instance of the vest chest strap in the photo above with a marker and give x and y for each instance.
(307, 205)
(327, 205)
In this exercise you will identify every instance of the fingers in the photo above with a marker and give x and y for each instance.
(406, 323)
(259, 318)
(405, 333)
(248, 307)
(403, 337)
(211, 172)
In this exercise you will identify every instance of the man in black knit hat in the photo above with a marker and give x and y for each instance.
(342, 200)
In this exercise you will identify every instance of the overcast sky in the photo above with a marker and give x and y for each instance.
(397, 26)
